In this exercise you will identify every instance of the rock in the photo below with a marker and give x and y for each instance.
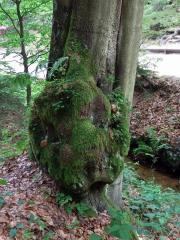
(157, 27)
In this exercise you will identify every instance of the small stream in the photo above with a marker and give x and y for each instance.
(163, 179)
(164, 65)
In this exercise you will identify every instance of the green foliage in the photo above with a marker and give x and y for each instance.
(120, 121)
(144, 69)
(144, 149)
(85, 210)
(14, 138)
(13, 144)
(120, 225)
(48, 236)
(74, 224)
(95, 237)
(159, 5)
(36, 21)
(110, 78)
(21, 80)
(152, 206)
(63, 199)
(159, 12)
(2, 202)
(143, 72)
(13, 232)
(81, 208)
(3, 181)
(155, 140)
(27, 235)
(59, 68)
(28, 34)
(152, 145)
(14, 86)
(40, 223)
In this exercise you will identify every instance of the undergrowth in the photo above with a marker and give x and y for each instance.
(160, 13)
(148, 211)
(152, 207)
(150, 146)
(14, 114)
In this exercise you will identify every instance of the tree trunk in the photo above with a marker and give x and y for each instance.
(93, 54)
(23, 50)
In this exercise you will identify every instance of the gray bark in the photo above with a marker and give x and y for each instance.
(128, 45)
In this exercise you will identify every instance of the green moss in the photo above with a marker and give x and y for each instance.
(73, 176)
(86, 137)
(116, 165)
(86, 141)
(85, 93)
(120, 121)
(81, 66)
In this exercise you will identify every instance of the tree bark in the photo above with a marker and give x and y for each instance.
(110, 31)
(60, 29)
(128, 46)
(23, 50)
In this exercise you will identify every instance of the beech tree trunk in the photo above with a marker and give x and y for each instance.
(110, 29)
(100, 36)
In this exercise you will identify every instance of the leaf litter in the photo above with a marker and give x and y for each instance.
(30, 210)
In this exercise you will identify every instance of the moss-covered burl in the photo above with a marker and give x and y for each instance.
(78, 133)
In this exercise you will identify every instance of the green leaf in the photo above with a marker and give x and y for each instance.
(153, 225)
(3, 181)
(63, 199)
(85, 210)
(74, 224)
(13, 232)
(95, 237)
(27, 235)
(177, 224)
(48, 236)
(20, 226)
(177, 209)
(9, 194)
(123, 231)
(2, 202)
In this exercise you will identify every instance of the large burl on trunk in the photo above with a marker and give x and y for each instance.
(79, 123)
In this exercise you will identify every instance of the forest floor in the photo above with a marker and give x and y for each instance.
(155, 123)
(29, 209)
(157, 105)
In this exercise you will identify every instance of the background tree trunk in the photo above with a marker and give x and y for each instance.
(109, 31)
(23, 49)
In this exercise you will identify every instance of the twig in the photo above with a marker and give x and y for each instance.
(10, 18)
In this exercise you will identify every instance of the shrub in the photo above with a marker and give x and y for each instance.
(150, 147)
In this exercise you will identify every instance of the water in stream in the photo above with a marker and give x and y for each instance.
(163, 179)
